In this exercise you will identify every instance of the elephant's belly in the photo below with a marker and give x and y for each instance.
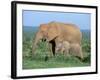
(72, 39)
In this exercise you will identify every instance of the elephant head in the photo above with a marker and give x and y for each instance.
(53, 31)
(41, 34)
(46, 31)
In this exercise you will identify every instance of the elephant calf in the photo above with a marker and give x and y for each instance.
(63, 47)
(69, 48)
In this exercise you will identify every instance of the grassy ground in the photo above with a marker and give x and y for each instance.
(55, 62)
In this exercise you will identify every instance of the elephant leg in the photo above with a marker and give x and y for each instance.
(79, 52)
(76, 50)
(67, 52)
(50, 49)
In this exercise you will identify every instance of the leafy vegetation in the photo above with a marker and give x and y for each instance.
(41, 57)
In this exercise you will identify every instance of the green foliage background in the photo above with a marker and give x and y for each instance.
(38, 61)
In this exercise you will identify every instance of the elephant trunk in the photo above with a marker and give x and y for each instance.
(35, 42)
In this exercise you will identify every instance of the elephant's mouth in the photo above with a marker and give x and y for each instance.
(44, 40)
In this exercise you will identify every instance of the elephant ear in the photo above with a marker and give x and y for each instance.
(53, 31)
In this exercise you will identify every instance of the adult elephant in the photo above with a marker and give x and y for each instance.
(54, 32)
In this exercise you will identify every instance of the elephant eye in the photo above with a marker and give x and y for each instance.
(42, 32)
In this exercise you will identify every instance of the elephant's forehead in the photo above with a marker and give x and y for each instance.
(43, 28)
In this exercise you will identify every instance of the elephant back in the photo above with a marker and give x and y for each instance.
(71, 33)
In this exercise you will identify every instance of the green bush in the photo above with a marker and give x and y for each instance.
(86, 45)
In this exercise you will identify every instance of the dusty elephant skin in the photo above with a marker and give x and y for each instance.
(54, 32)
(63, 47)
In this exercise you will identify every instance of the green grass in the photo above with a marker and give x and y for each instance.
(54, 62)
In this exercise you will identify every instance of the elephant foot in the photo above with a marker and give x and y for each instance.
(80, 58)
